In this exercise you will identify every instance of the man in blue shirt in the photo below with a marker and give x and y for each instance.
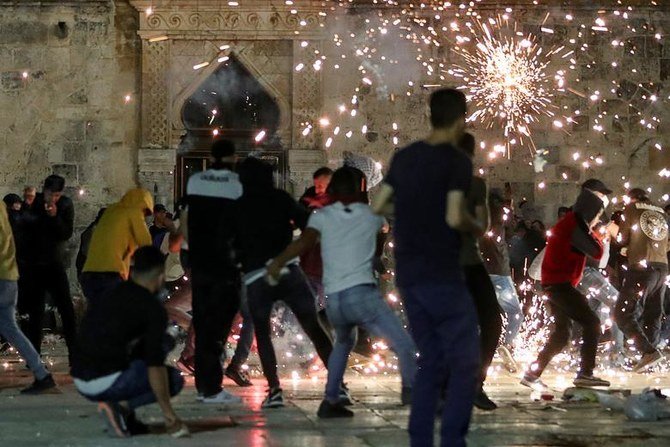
(425, 188)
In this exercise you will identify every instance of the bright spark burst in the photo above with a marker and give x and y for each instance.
(506, 79)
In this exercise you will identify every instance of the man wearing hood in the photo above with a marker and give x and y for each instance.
(644, 238)
(266, 217)
(570, 242)
(43, 233)
(120, 231)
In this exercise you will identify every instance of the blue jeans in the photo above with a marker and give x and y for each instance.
(443, 322)
(9, 292)
(364, 306)
(509, 302)
(600, 292)
(133, 386)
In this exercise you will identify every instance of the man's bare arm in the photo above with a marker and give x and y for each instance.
(307, 240)
(158, 379)
(458, 216)
(382, 203)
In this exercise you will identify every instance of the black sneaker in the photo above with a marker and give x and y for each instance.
(483, 402)
(406, 395)
(113, 415)
(590, 380)
(46, 385)
(275, 399)
(345, 397)
(135, 426)
(647, 361)
(240, 377)
(328, 410)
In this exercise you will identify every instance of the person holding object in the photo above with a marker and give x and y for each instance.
(426, 189)
(123, 344)
(569, 244)
(265, 218)
(44, 230)
(349, 232)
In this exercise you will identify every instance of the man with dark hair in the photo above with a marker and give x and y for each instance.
(44, 231)
(266, 217)
(644, 242)
(209, 226)
(426, 186)
(120, 231)
(315, 196)
(571, 241)
(29, 194)
(477, 278)
(562, 211)
(122, 349)
(349, 233)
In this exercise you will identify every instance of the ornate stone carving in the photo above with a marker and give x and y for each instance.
(268, 23)
(307, 97)
(155, 94)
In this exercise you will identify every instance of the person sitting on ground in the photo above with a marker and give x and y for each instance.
(119, 233)
(349, 233)
(9, 330)
(122, 346)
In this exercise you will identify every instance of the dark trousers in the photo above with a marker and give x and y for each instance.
(488, 313)
(293, 290)
(216, 301)
(96, 285)
(645, 286)
(565, 304)
(34, 283)
(133, 386)
(443, 322)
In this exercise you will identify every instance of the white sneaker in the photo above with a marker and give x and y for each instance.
(224, 397)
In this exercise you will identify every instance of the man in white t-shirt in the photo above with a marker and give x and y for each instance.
(348, 232)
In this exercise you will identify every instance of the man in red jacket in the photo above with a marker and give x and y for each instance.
(570, 242)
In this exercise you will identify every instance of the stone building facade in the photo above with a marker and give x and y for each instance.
(94, 89)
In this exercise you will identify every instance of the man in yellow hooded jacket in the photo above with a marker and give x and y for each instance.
(120, 232)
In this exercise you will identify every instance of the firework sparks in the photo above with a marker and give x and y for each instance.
(507, 80)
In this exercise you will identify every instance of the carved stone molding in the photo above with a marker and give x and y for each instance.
(253, 19)
(307, 98)
(155, 131)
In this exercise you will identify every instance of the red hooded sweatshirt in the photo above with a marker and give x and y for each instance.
(563, 262)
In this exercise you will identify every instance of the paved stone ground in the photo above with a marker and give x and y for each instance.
(69, 420)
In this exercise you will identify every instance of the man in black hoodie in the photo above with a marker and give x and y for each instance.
(44, 230)
(266, 217)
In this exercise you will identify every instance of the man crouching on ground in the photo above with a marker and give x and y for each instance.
(122, 349)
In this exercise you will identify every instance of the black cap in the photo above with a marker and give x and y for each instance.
(596, 185)
(159, 208)
(223, 149)
(638, 194)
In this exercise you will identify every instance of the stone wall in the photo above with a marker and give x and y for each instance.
(69, 74)
(626, 147)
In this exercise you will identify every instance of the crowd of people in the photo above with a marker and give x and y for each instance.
(464, 255)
